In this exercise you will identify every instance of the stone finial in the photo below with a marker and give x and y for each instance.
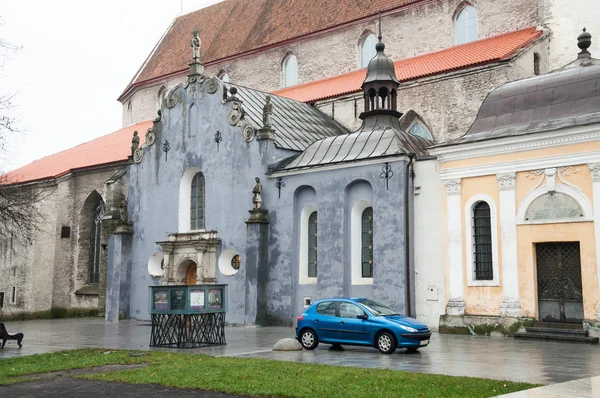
(135, 142)
(267, 112)
(195, 44)
(257, 195)
(584, 41)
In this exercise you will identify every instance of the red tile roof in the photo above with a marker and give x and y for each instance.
(480, 52)
(235, 27)
(112, 148)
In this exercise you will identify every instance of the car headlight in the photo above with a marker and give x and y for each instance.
(408, 328)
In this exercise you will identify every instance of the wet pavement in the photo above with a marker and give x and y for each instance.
(488, 357)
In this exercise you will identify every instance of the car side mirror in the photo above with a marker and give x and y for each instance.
(363, 317)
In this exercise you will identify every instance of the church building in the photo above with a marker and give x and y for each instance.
(450, 172)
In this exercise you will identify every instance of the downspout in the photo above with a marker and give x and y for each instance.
(408, 235)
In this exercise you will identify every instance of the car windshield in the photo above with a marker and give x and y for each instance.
(378, 308)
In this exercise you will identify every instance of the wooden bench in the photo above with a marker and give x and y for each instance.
(4, 336)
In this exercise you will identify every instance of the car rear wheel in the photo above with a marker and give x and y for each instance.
(309, 339)
(386, 343)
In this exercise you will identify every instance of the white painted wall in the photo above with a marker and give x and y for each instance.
(429, 246)
(566, 18)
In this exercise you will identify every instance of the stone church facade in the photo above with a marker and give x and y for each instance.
(313, 72)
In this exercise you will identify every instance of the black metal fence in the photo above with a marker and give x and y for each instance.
(188, 331)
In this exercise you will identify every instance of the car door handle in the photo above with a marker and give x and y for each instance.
(316, 320)
(342, 322)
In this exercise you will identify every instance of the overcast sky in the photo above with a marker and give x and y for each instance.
(77, 56)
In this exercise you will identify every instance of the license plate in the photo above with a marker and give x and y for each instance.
(423, 343)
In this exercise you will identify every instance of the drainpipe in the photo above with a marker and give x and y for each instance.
(408, 238)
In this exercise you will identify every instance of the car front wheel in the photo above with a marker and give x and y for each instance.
(309, 339)
(386, 343)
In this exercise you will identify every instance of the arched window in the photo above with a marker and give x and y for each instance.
(161, 95)
(224, 77)
(419, 130)
(482, 242)
(95, 236)
(367, 50)
(367, 242)
(197, 202)
(466, 25)
(290, 71)
(312, 245)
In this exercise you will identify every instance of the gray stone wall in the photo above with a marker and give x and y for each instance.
(407, 33)
(48, 272)
(448, 103)
(229, 172)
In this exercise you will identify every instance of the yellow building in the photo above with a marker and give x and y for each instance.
(522, 204)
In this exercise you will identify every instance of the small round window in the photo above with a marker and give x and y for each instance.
(229, 262)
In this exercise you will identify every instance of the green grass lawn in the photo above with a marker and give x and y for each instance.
(257, 377)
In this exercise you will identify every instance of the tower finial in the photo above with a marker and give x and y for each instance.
(380, 36)
(584, 41)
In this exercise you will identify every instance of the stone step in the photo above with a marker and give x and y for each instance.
(557, 325)
(576, 332)
(557, 337)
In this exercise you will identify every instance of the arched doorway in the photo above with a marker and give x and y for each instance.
(190, 275)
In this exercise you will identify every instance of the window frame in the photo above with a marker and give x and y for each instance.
(468, 9)
(362, 62)
(352, 305)
(470, 241)
(335, 308)
(303, 278)
(285, 64)
(356, 243)
(199, 205)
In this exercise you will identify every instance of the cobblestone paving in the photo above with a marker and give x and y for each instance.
(488, 357)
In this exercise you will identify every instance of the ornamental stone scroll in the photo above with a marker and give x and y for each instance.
(506, 182)
(453, 187)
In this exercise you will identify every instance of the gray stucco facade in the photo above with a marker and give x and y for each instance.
(269, 287)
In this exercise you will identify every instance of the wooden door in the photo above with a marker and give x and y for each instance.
(190, 276)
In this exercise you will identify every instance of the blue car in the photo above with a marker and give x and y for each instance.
(359, 321)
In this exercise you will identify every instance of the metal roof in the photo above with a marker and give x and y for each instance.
(297, 125)
(566, 98)
(379, 136)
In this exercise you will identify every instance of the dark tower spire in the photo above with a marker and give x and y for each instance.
(381, 84)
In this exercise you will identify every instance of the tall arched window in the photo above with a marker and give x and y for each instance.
(290, 71)
(312, 245)
(482, 242)
(466, 25)
(197, 202)
(367, 242)
(95, 236)
(367, 50)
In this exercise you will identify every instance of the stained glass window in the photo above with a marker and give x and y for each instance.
(367, 243)
(482, 238)
(197, 203)
(312, 245)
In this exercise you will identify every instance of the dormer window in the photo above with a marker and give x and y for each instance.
(367, 49)
(290, 71)
(466, 25)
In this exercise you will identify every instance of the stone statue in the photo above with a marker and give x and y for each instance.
(256, 197)
(196, 46)
(267, 112)
(123, 209)
(135, 142)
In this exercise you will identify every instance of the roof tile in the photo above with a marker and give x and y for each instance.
(471, 54)
(111, 148)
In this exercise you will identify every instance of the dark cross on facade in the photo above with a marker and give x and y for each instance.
(166, 148)
(218, 139)
(387, 173)
(279, 184)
